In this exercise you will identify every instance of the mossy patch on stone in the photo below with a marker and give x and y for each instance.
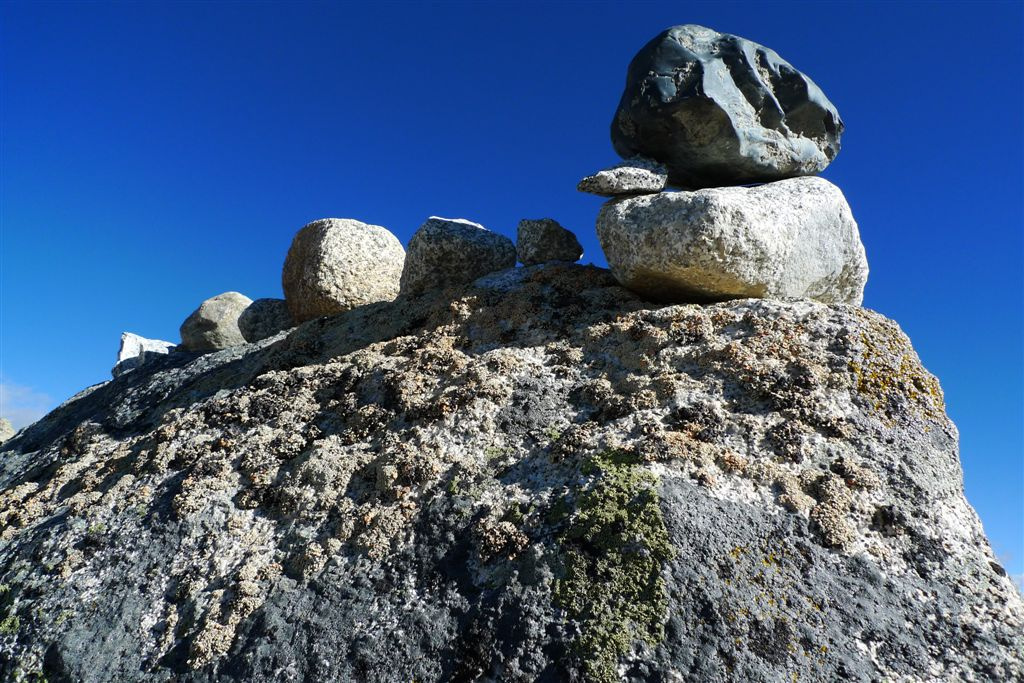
(615, 546)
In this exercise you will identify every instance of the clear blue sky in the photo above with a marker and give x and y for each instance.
(155, 154)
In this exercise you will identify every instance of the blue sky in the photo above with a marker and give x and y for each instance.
(153, 155)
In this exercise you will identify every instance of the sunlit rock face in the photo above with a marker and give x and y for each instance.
(718, 110)
(537, 476)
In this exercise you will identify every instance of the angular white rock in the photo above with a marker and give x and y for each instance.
(791, 238)
(136, 351)
(337, 264)
(453, 251)
(6, 429)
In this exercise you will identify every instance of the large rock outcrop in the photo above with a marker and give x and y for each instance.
(718, 109)
(791, 238)
(542, 478)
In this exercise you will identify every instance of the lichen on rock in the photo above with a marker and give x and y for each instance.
(537, 476)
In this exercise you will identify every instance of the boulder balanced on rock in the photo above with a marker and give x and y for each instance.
(336, 264)
(721, 110)
(214, 325)
(453, 251)
(792, 238)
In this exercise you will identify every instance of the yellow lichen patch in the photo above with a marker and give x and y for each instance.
(889, 374)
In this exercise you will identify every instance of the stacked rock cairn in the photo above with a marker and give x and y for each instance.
(741, 133)
(734, 129)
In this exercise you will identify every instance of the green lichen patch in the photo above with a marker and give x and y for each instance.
(615, 545)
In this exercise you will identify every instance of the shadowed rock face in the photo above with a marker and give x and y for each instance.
(536, 477)
(718, 110)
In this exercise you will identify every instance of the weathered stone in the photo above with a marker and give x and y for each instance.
(337, 264)
(136, 351)
(537, 481)
(453, 251)
(264, 318)
(543, 240)
(721, 110)
(635, 176)
(214, 325)
(6, 429)
(791, 238)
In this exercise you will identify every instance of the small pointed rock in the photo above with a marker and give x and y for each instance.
(543, 240)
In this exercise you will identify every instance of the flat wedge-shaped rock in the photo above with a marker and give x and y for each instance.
(453, 251)
(718, 109)
(636, 176)
(792, 238)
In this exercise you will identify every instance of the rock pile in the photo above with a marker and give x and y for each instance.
(710, 112)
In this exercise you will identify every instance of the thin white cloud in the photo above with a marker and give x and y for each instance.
(22, 405)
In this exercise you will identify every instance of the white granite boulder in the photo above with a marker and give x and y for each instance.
(136, 351)
(214, 325)
(791, 238)
(543, 240)
(337, 264)
(452, 251)
(636, 176)
(264, 318)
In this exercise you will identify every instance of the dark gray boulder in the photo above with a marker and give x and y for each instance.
(718, 110)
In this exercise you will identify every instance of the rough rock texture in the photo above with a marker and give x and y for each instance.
(136, 350)
(453, 251)
(721, 110)
(264, 318)
(214, 325)
(542, 479)
(6, 429)
(543, 240)
(791, 238)
(636, 176)
(337, 264)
